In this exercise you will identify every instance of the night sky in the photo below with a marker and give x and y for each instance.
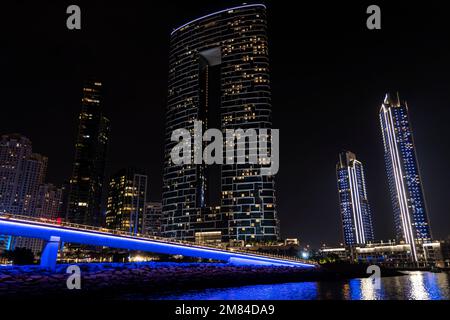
(329, 74)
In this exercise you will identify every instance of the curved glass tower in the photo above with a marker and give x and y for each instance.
(219, 74)
(411, 218)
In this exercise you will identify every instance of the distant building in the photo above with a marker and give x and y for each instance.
(353, 201)
(49, 202)
(405, 184)
(127, 197)
(4, 242)
(86, 183)
(341, 253)
(445, 247)
(152, 218)
(22, 174)
(390, 254)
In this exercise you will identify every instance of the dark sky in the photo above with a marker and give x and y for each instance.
(328, 74)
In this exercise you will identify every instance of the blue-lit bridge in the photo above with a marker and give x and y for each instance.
(55, 233)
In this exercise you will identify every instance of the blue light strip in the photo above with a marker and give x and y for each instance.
(218, 12)
(35, 230)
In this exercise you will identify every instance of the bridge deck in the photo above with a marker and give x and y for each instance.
(73, 233)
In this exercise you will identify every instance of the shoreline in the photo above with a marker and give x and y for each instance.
(110, 281)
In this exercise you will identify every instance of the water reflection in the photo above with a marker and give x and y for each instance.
(414, 286)
(418, 290)
(368, 289)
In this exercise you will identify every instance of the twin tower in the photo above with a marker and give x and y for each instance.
(405, 185)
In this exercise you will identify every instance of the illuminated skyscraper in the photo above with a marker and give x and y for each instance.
(411, 218)
(354, 204)
(126, 201)
(219, 74)
(86, 183)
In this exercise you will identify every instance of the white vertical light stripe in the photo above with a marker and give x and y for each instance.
(353, 205)
(398, 177)
(358, 199)
(356, 205)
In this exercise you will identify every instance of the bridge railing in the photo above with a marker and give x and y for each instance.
(75, 226)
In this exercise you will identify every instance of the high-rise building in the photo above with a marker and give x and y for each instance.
(152, 218)
(219, 74)
(408, 201)
(126, 201)
(353, 202)
(21, 175)
(86, 183)
(21, 172)
(49, 202)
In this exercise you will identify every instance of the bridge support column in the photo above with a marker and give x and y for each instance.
(50, 253)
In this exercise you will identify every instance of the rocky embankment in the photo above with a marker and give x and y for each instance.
(109, 281)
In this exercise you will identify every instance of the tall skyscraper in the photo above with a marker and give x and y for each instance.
(354, 204)
(408, 201)
(219, 74)
(126, 201)
(86, 183)
(152, 218)
(22, 172)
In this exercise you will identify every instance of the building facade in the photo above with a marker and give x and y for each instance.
(87, 180)
(408, 201)
(219, 74)
(354, 205)
(22, 173)
(125, 208)
(152, 218)
(48, 206)
(391, 254)
(49, 202)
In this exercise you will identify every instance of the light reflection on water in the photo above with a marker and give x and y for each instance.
(414, 286)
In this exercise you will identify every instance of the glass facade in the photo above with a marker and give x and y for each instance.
(219, 65)
(353, 201)
(411, 218)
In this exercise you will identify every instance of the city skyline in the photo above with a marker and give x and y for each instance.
(297, 221)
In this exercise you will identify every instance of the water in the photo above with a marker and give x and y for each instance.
(414, 286)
